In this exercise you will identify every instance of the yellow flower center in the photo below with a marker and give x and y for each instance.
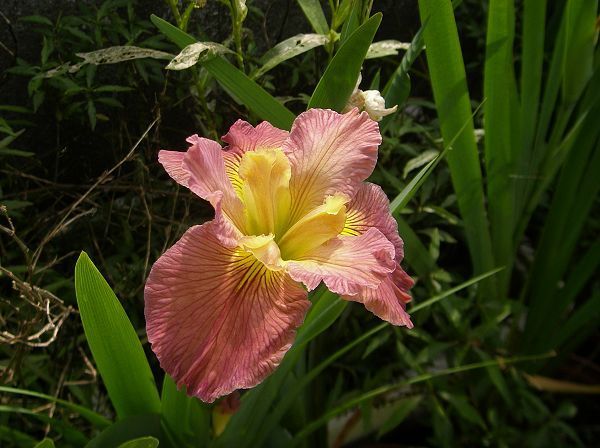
(265, 191)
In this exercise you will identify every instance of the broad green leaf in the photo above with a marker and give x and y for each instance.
(121, 53)
(531, 74)
(186, 418)
(338, 81)
(448, 80)
(581, 36)
(288, 49)
(131, 427)
(40, 20)
(235, 82)
(46, 443)
(500, 93)
(95, 419)
(249, 93)
(177, 36)
(351, 22)
(191, 54)
(114, 343)
(314, 13)
(141, 442)
(385, 48)
(344, 10)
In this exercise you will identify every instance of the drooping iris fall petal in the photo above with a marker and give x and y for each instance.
(291, 209)
(217, 318)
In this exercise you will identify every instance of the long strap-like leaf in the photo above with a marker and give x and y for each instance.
(448, 80)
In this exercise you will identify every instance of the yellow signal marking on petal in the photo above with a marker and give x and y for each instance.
(265, 249)
(353, 225)
(232, 166)
(315, 228)
(265, 176)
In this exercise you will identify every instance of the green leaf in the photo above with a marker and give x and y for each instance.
(46, 443)
(69, 434)
(420, 160)
(235, 82)
(351, 22)
(415, 252)
(581, 37)
(186, 418)
(448, 80)
(385, 48)
(40, 20)
(465, 409)
(403, 409)
(500, 150)
(397, 88)
(314, 13)
(338, 82)
(289, 48)
(94, 418)
(257, 99)
(113, 88)
(193, 53)
(114, 344)
(141, 442)
(123, 431)
(356, 401)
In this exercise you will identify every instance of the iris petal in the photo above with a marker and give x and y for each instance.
(330, 153)
(217, 318)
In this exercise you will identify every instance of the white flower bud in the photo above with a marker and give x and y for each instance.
(370, 101)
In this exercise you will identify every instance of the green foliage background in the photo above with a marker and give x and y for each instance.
(491, 164)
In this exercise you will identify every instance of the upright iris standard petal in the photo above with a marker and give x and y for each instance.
(217, 318)
(291, 209)
(243, 137)
(265, 190)
(330, 153)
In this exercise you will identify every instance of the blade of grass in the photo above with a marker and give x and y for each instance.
(397, 88)
(415, 380)
(129, 428)
(400, 201)
(448, 80)
(499, 150)
(534, 15)
(99, 421)
(235, 82)
(351, 23)
(315, 15)
(416, 254)
(338, 81)
(114, 343)
(574, 196)
(186, 418)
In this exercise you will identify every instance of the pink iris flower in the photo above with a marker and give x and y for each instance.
(292, 210)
